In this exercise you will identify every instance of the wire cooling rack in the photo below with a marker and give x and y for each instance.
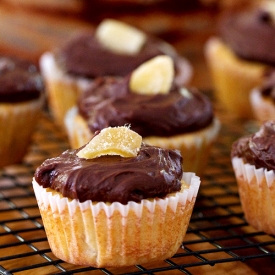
(218, 240)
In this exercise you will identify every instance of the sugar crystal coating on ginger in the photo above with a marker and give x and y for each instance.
(154, 76)
(112, 141)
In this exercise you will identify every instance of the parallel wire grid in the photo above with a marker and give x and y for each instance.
(217, 235)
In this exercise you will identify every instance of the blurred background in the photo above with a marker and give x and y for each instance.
(31, 27)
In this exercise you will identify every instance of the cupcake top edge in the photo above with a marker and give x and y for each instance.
(257, 149)
(250, 33)
(77, 54)
(177, 110)
(20, 80)
(152, 173)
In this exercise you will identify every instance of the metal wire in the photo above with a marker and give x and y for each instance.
(217, 234)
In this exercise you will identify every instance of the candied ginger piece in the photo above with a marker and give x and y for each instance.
(154, 76)
(120, 37)
(269, 7)
(112, 141)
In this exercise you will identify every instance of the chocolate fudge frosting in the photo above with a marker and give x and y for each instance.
(84, 56)
(257, 149)
(109, 102)
(250, 34)
(153, 173)
(19, 80)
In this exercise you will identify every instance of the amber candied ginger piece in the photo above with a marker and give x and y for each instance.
(154, 76)
(120, 141)
(120, 37)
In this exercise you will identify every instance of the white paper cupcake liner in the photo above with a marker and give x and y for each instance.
(257, 194)
(263, 108)
(112, 234)
(51, 71)
(62, 89)
(250, 172)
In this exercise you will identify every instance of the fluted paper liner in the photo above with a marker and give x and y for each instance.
(112, 234)
(17, 123)
(263, 107)
(233, 77)
(63, 89)
(257, 194)
(194, 146)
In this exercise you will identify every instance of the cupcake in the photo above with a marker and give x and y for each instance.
(239, 56)
(94, 199)
(262, 99)
(113, 49)
(150, 100)
(21, 100)
(254, 165)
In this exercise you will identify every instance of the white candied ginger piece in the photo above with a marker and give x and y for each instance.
(269, 7)
(112, 141)
(120, 37)
(154, 76)
(185, 93)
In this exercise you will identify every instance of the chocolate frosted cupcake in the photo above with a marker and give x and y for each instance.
(262, 99)
(112, 49)
(240, 55)
(162, 112)
(21, 99)
(254, 165)
(93, 200)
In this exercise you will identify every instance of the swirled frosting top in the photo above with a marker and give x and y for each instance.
(153, 173)
(83, 55)
(250, 34)
(110, 102)
(19, 80)
(257, 149)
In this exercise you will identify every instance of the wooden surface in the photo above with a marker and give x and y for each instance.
(28, 34)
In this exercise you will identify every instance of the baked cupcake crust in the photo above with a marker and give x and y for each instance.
(253, 163)
(101, 235)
